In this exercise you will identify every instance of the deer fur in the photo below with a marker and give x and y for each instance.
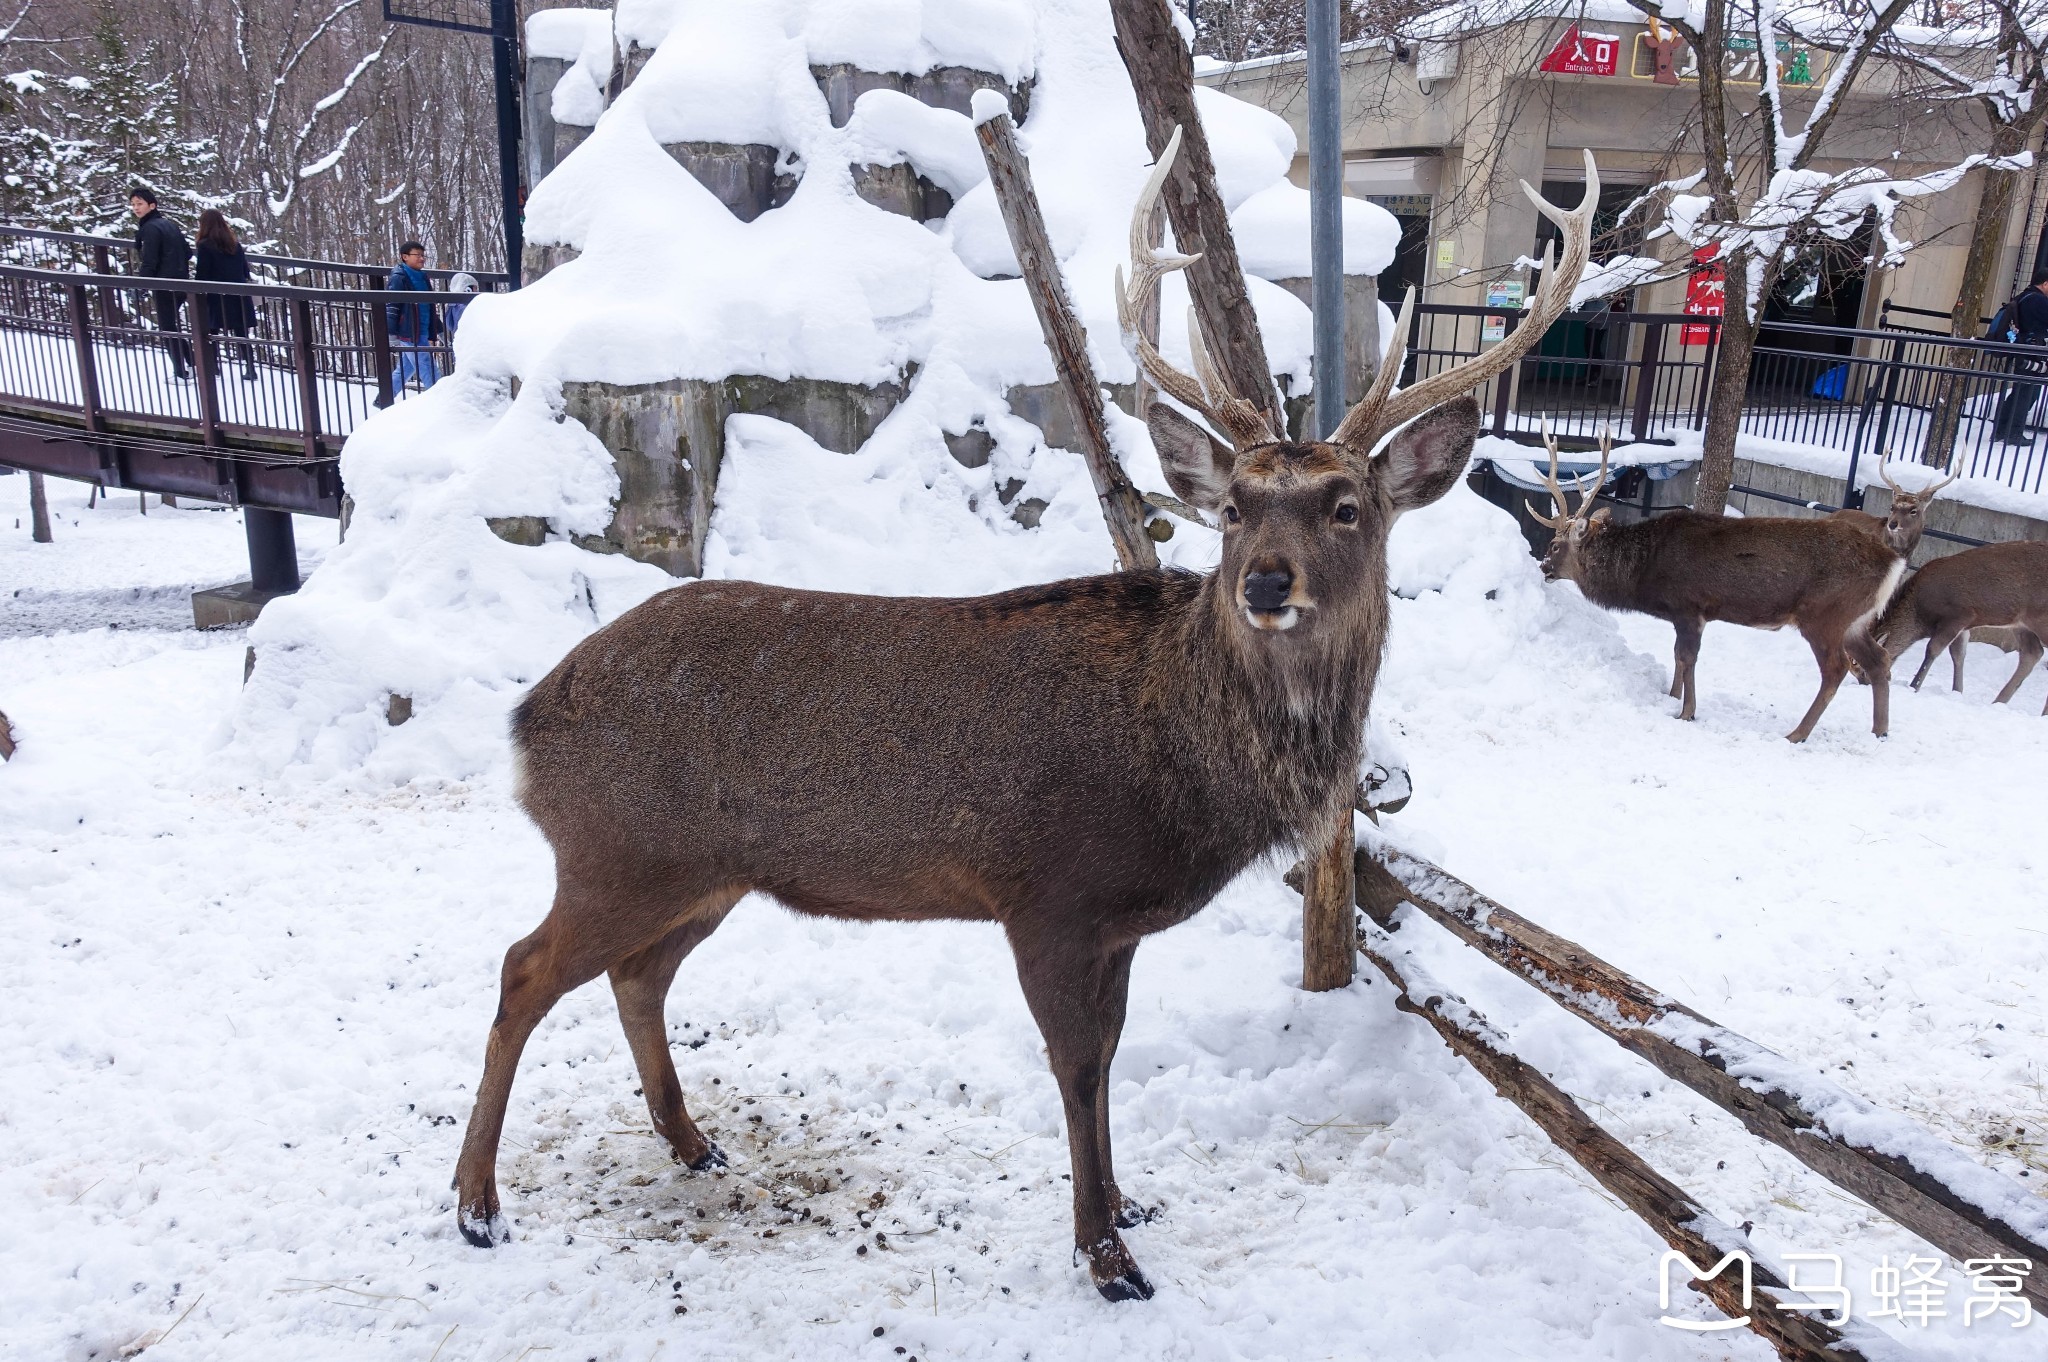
(1825, 578)
(1083, 763)
(1992, 585)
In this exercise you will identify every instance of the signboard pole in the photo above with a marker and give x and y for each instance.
(504, 64)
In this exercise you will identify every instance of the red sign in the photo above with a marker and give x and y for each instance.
(1706, 294)
(1583, 54)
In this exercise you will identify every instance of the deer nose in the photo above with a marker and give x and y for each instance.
(1268, 590)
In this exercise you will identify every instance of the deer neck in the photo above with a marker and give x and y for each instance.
(1271, 733)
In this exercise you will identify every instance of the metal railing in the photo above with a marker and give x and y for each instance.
(274, 375)
(1970, 405)
(91, 254)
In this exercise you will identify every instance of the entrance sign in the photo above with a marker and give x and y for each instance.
(1662, 56)
(1706, 293)
(1583, 54)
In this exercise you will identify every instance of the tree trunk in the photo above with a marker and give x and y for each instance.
(1328, 925)
(1010, 176)
(1730, 387)
(38, 509)
(1973, 300)
(1163, 75)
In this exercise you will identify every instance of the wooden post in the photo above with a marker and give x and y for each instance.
(1328, 925)
(1163, 76)
(38, 510)
(1676, 1217)
(1010, 176)
(1946, 1198)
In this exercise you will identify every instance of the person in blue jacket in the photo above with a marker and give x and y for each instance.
(414, 327)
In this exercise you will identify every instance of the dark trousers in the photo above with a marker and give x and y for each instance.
(169, 310)
(2017, 405)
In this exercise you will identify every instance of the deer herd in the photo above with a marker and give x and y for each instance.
(1837, 580)
(1088, 762)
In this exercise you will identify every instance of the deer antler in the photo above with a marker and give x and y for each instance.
(1379, 414)
(1588, 494)
(1245, 424)
(1924, 494)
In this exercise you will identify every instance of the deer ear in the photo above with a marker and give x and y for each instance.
(1197, 464)
(1602, 516)
(1429, 454)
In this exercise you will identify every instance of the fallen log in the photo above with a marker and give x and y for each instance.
(1010, 176)
(1953, 1202)
(1677, 1219)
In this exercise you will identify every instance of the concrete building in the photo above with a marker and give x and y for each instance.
(1440, 133)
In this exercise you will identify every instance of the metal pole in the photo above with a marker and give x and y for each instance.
(504, 62)
(1326, 215)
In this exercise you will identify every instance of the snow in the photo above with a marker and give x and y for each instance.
(257, 928)
(582, 37)
(238, 1086)
(1272, 232)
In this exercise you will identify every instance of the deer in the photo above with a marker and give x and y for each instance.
(1901, 526)
(1083, 763)
(1993, 584)
(1826, 578)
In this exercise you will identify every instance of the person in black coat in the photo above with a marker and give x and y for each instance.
(2030, 322)
(220, 259)
(164, 255)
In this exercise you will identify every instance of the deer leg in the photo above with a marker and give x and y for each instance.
(640, 983)
(1115, 992)
(1865, 652)
(1956, 653)
(2030, 653)
(1834, 665)
(1685, 656)
(1068, 993)
(538, 970)
(1938, 643)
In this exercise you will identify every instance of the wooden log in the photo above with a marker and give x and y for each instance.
(1163, 76)
(1910, 1174)
(1676, 1217)
(1122, 509)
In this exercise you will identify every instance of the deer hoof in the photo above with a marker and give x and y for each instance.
(483, 1231)
(712, 1157)
(1129, 1286)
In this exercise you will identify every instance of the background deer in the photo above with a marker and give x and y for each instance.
(1084, 763)
(1826, 578)
(1995, 584)
(1902, 525)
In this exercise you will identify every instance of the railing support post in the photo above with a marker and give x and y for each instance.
(1504, 384)
(1852, 496)
(380, 354)
(1646, 381)
(203, 370)
(88, 367)
(308, 379)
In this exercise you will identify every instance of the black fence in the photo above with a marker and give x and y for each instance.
(1839, 400)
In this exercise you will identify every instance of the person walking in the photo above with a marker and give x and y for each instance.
(164, 255)
(219, 259)
(414, 327)
(2026, 323)
(463, 282)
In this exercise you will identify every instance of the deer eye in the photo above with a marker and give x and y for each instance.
(1347, 514)
(1231, 516)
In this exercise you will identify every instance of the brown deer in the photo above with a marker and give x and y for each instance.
(1827, 579)
(1995, 584)
(1902, 525)
(1084, 762)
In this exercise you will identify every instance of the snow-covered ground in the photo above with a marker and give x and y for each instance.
(241, 1016)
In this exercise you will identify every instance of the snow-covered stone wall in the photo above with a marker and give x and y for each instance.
(784, 215)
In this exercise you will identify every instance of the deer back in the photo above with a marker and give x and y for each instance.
(1991, 584)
